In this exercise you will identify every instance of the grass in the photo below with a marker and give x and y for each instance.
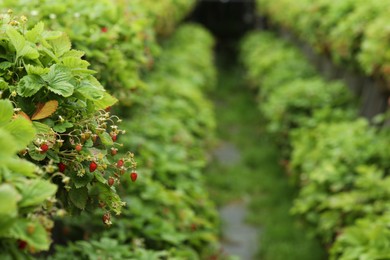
(257, 176)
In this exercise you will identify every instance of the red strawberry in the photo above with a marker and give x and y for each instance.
(111, 181)
(21, 244)
(114, 151)
(114, 137)
(120, 163)
(61, 167)
(44, 147)
(133, 176)
(107, 109)
(92, 166)
(78, 147)
(104, 29)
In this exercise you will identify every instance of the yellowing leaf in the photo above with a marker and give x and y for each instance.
(45, 110)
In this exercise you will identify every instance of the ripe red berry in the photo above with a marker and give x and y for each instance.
(104, 29)
(78, 147)
(114, 151)
(111, 181)
(61, 167)
(22, 244)
(107, 109)
(133, 176)
(44, 147)
(114, 137)
(92, 166)
(120, 163)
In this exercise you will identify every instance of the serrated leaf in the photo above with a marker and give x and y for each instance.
(35, 33)
(79, 197)
(53, 156)
(74, 53)
(106, 139)
(21, 167)
(8, 147)
(51, 35)
(36, 70)
(29, 52)
(58, 80)
(75, 63)
(61, 45)
(22, 131)
(42, 128)
(36, 155)
(3, 84)
(34, 192)
(45, 110)
(81, 181)
(29, 85)
(9, 198)
(38, 239)
(16, 39)
(5, 65)
(61, 128)
(108, 195)
(106, 101)
(6, 111)
(90, 91)
(100, 178)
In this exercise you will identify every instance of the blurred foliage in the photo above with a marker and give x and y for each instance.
(354, 33)
(337, 160)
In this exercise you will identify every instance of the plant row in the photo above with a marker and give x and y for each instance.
(352, 32)
(55, 113)
(336, 159)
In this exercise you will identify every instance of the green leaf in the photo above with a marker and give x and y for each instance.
(21, 167)
(75, 63)
(100, 178)
(106, 139)
(9, 198)
(37, 238)
(6, 111)
(51, 35)
(42, 128)
(81, 181)
(58, 79)
(30, 85)
(61, 128)
(36, 70)
(8, 147)
(34, 192)
(79, 197)
(35, 33)
(5, 65)
(90, 91)
(106, 101)
(16, 39)
(29, 52)
(53, 156)
(61, 45)
(3, 84)
(22, 131)
(36, 155)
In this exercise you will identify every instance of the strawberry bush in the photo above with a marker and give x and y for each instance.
(353, 33)
(170, 210)
(338, 162)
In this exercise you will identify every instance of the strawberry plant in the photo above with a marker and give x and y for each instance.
(51, 86)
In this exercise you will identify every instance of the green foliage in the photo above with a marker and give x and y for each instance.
(169, 208)
(23, 193)
(339, 163)
(351, 32)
